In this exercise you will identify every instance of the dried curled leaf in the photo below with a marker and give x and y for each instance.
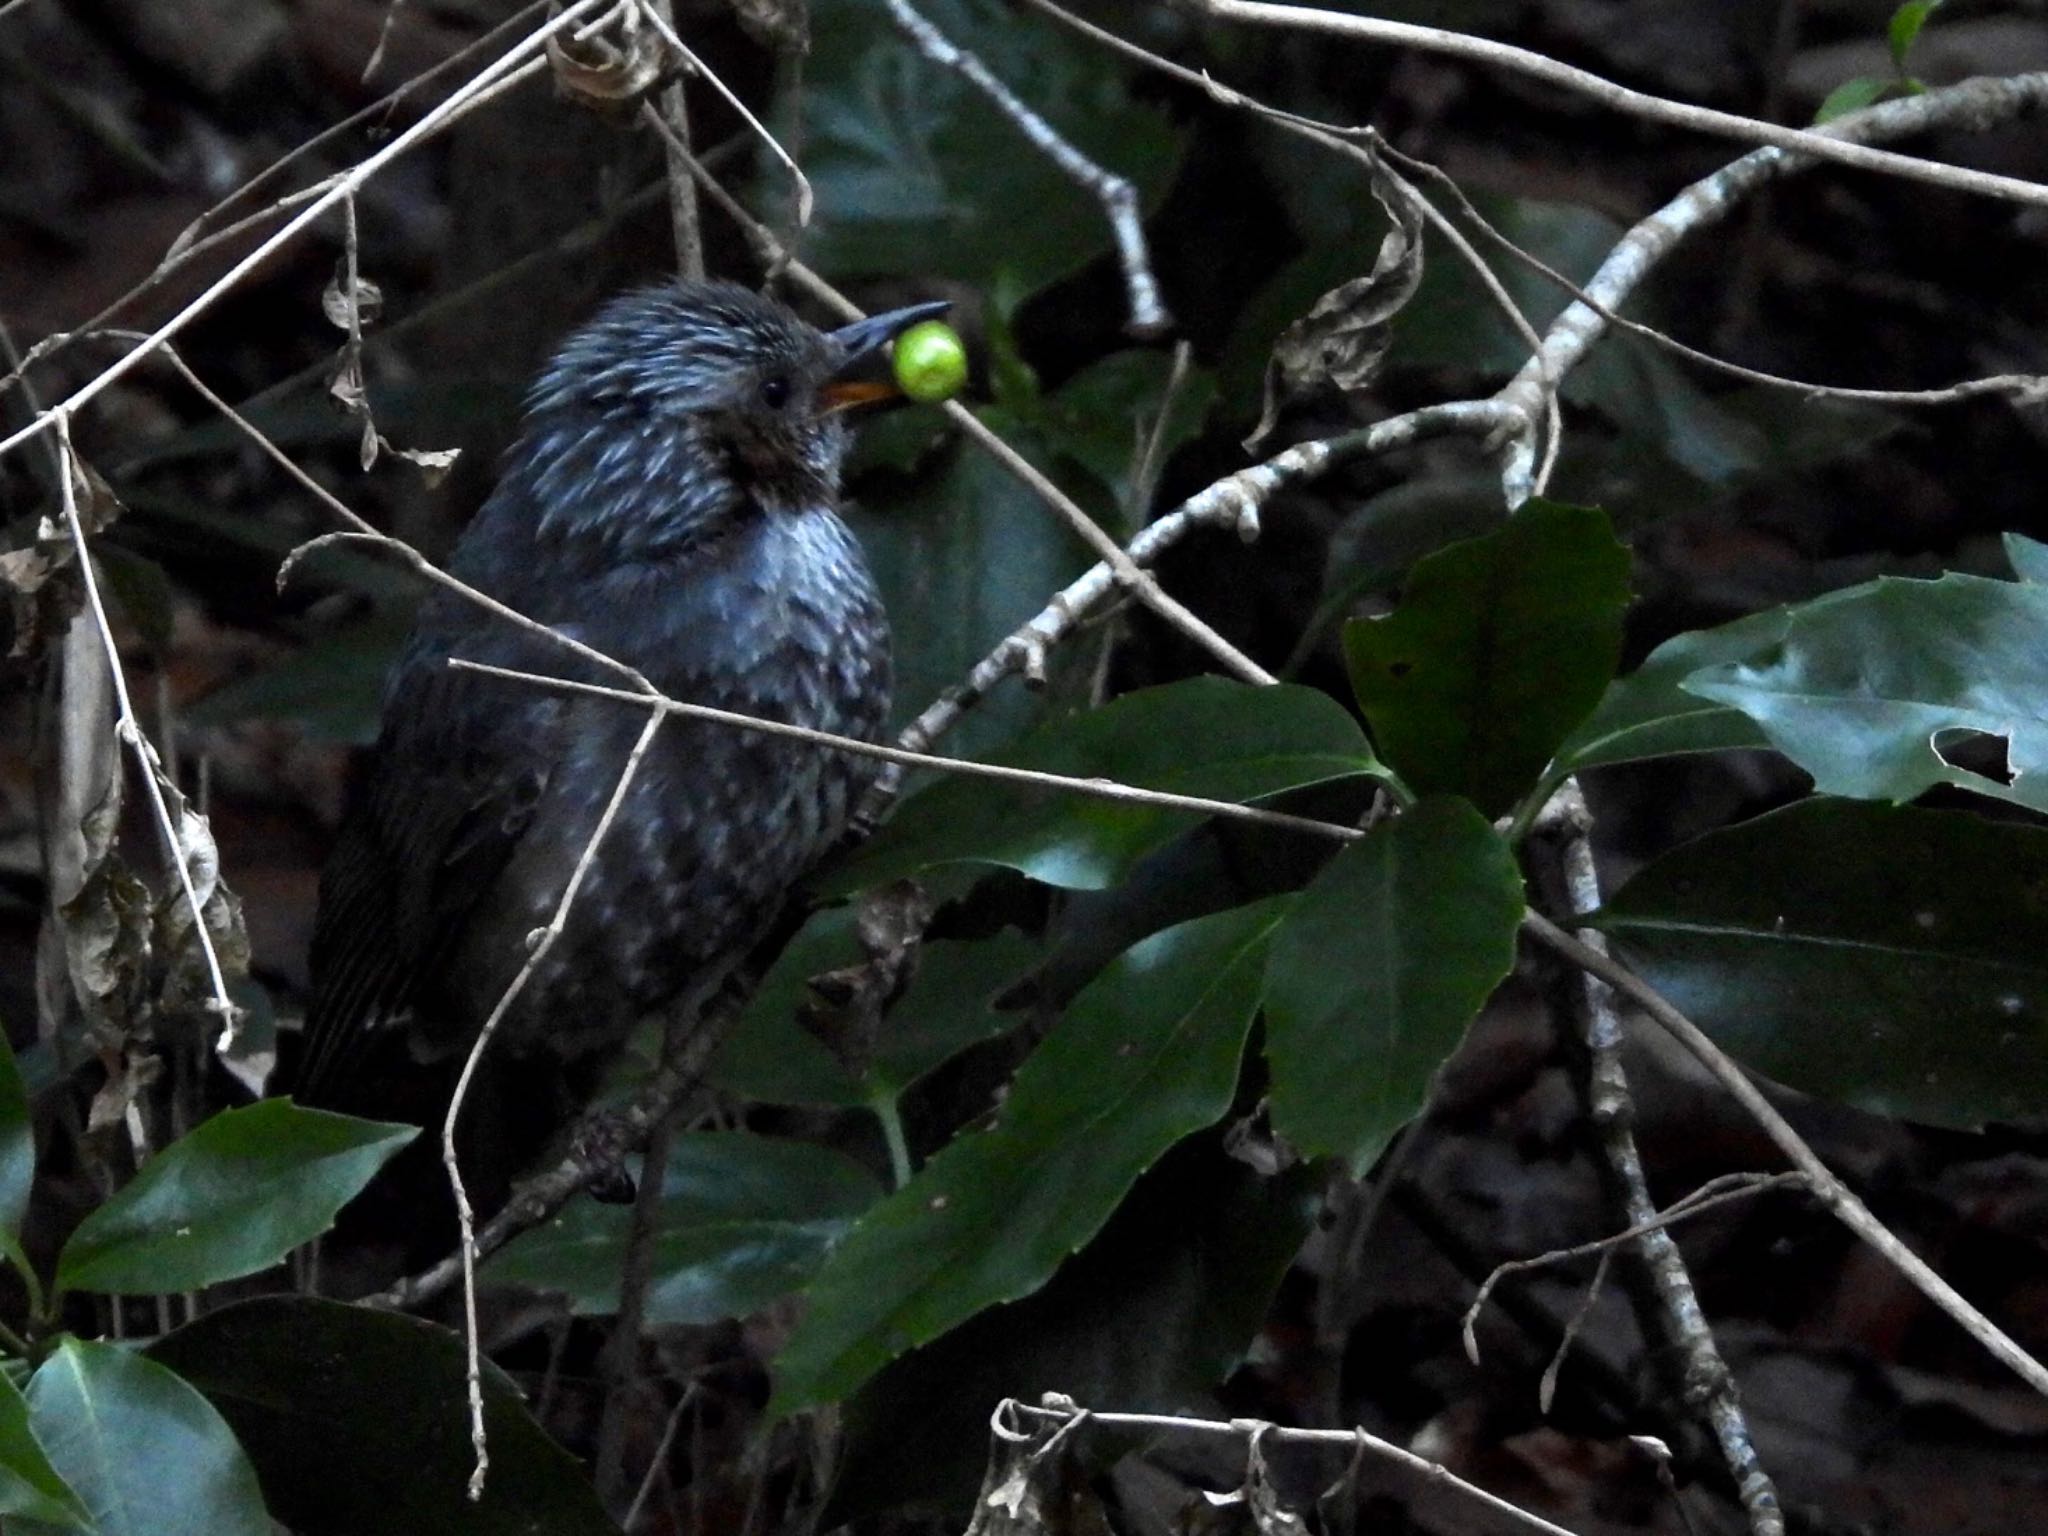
(1032, 1486)
(846, 1006)
(350, 306)
(1341, 342)
(43, 592)
(603, 73)
(1269, 1516)
(432, 463)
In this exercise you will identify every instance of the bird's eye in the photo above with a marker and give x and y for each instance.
(775, 392)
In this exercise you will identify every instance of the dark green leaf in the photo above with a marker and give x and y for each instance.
(1905, 27)
(145, 1454)
(1147, 1053)
(914, 172)
(2029, 558)
(142, 588)
(1649, 714)
(1101, 416)
(29, 1486)
(230, 1198)
(1891, 957)
(1866, 686)
(1206, 736)
(1386, 957)
(334, 687)
(1500, 646)
(1152, 1314)
(1852, 96)
(948, 1007)
(17, 1154)
(963, 555)
(354, 1419)
(744, 1219)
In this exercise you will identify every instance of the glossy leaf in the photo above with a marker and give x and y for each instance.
(2028, 557)
(17, 1154)
(1152, 1314)
(145, 1453)
(1206, 736)
(1905, 27)
(1096, 418)
(912, 170)
(1852, 96)
(744, 1219)
(1865, 688)
(1387, 956)
(949, 1006)
(1891, 957)
(964, 553)
(29, 1486)
(355, 1423)
(1144, 1055)
(1650, 713)
(228, 1199)
(1501, 644)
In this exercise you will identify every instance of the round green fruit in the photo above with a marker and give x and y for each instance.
(930, 362)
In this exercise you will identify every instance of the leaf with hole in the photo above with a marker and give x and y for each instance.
(1868, 688)
(1890, 957)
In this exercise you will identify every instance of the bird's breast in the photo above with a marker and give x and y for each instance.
(719, 821)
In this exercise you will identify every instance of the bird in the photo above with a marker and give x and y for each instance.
(672, 501)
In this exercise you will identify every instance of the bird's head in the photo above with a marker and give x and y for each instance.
(680, 406)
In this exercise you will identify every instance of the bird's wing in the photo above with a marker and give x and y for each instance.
(460, 766)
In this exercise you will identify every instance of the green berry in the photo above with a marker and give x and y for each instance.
(930, 362)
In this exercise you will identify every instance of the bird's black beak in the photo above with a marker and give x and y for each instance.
(863, 376)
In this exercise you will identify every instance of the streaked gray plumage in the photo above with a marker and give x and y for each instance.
(671, 501)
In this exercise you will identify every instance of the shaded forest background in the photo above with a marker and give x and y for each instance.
(121, 121)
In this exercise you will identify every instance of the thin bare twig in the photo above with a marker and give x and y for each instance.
(1573, 333)
(1832, 1192)
(1709, 1386)
(539, 945)
(671, 108)
(343, 186)
(1098, 789)
(656, 11)
(1119, 199)
(128, 726)
(1720, 1190)
(620, 1362)
(1816, 143)
(1127, 572)
(1246, 1429)
(2021, 388)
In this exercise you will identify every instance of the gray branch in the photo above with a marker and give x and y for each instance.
(1708, 1387)
(1118, 197)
